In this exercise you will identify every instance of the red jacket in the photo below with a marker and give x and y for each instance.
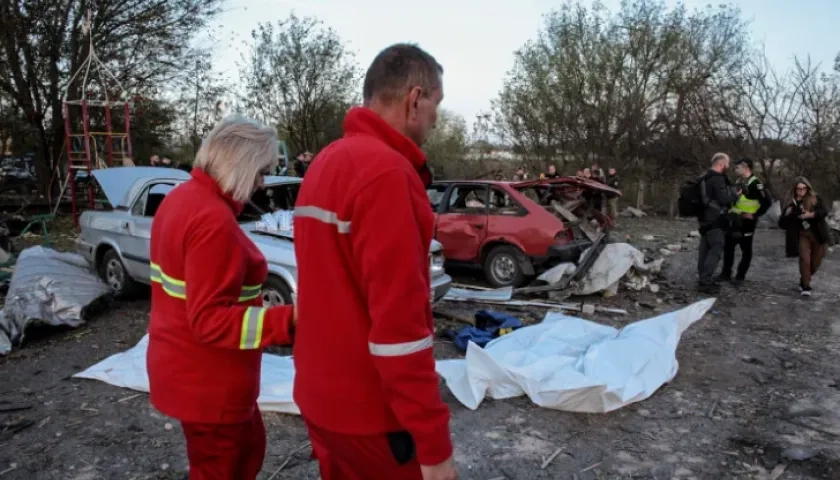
(207, 325)
(363, 347)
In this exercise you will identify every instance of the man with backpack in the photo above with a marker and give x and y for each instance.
(751, 204)
(709, 198)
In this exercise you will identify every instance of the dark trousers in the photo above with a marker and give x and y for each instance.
(743, 240)
(711, 249)
(358, 457)
(226, 452)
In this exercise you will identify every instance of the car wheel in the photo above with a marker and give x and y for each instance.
(113, 273)
(503, 266)
(275, 292)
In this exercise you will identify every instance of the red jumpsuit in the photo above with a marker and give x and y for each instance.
(208, 328)
(365, 372)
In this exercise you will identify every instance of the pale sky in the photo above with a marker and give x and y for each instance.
(474, 40)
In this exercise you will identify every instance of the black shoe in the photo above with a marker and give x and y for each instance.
(806, 292)
(724, 277)
(709, 288)
(738, 281)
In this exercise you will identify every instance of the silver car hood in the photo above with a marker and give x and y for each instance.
(116, 182)
(251, 229)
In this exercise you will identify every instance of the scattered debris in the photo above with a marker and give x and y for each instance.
(551, 458)
(633, 212)
(47, 287)
(799, 454)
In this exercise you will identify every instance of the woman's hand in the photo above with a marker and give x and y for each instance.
(789, 210)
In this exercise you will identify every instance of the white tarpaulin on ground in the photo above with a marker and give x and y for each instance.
(128, 370)
(564, 363)
(614, 263)
(571, 364)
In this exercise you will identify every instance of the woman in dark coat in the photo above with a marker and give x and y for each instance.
(804, 220)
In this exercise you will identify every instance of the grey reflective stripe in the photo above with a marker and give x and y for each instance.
(323, 215)
(252, 326)
(400, 349)
(175, 290)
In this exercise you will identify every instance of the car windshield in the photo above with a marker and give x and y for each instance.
(270, 199)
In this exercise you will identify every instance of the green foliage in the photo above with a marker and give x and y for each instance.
(299, 76)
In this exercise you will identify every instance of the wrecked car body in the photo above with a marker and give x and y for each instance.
(515, 230)
(116, 242)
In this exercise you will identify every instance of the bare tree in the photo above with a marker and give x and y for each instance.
(42, 42)
(763, 108)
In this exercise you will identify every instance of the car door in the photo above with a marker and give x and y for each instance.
(134, 244)
(462, 221)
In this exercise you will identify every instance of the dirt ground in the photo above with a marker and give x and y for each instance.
(757, 395)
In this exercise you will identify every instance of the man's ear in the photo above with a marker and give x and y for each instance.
(414, 97)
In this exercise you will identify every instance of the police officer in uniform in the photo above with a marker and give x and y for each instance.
(751, 204)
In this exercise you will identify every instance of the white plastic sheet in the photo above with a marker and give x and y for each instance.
(564, 363)
(571, 364)
(128, 370)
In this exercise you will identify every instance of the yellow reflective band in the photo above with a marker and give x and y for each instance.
(250, 292)
(178, 288)
(252, 328)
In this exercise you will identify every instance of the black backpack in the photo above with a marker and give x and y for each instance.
(693, 199)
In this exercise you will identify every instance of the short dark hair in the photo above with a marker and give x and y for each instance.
(398, 68)
(745, 161)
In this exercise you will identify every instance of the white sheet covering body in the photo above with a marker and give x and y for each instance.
(567, 363)
(564, 363)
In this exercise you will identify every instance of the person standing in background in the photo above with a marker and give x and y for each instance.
(612, 181)
(751, 205)
(718, 195)
(804, 220)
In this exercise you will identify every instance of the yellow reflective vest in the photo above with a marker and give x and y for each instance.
(744, 204)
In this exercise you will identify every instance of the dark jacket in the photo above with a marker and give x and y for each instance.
(719, 196)
(793, 225)
(612, 181)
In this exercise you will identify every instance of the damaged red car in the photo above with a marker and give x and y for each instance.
(515, 230)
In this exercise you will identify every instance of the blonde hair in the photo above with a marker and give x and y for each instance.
(236, 152)
(719, 157)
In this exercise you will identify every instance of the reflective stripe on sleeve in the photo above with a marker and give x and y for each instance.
(325, 216)
(252, 328)
(178, 288)
(400, 349)
(172, 286)
(250, 292)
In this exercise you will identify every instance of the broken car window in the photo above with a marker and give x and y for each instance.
(502, 204)
(270, 199)
(468, 199)
(435, 193)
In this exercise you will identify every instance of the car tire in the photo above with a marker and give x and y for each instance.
(503, 267)
(275, 292)
(112, 271)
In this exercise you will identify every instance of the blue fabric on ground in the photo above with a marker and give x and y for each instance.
(488, 325)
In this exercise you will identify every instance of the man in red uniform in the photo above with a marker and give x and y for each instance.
(365, 371)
